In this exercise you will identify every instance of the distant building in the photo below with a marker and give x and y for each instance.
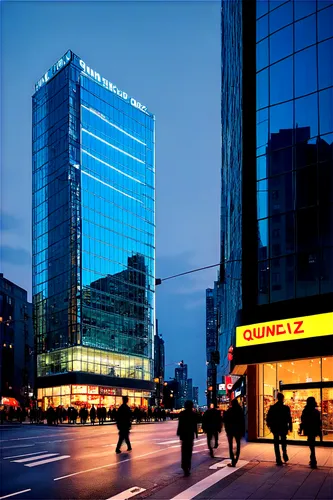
(170, 394)
(181, 378)
(16, 342)
(212, 332)
(195, 397)
(189, 390)
(159, 362)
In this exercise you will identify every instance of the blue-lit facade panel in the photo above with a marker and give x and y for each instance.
(294, 149)
(231, 174)
(93, 227)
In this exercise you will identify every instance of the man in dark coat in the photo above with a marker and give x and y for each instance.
(311, 427)
(280, 423)
(234, 424)
(212, 426)
(124, 422)
(187, 430)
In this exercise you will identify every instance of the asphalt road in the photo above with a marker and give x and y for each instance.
(56, 463)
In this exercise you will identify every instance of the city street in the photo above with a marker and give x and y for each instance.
(80, 463)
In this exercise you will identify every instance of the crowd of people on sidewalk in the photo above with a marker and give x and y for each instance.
(278, 420)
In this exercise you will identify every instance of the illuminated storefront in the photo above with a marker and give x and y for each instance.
(275, 362)
(88, 395)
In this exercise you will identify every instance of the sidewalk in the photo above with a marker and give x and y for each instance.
(261, 479)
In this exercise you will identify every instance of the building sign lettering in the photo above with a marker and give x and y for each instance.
(318, 325)
(63, 61)
(110, 86)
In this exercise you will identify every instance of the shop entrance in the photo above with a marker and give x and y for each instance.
(295, 398)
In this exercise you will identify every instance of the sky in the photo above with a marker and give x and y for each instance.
(167, 55)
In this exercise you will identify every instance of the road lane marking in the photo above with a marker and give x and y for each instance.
(208, 481)
(170, 442)
(56, 441)
(13, 494)
(114, 463)
(31, 459)
(131, 492)
(18, 446)
(26, 455)
(47, 461)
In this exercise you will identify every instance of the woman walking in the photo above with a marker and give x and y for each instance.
(311, 427)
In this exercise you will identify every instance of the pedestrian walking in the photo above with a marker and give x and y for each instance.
(311, 427)
(280, 423)
(212, 426)
(187, 431)
(124, 422)
(234, 423)
(92, 415)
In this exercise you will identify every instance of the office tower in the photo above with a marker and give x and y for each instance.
(189, 390)
(16, 344)
(181, 379)
(93, 239)
(195, 396)
(277, 205)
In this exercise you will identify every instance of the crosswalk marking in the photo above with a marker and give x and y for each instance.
(131, 492)
(31, 459)
(46, 461)
(207, 482)
(26, 455)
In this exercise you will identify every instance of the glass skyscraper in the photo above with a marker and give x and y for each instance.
(277, 203)
(93, 239)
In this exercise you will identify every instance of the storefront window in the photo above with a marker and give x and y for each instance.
(297, 372)
(296, 400)
(79, 389)
(327, 369)
(327, 413)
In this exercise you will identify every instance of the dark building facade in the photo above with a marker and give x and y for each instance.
(93, 239)
(159, 364)
(213, 311)
(195, 396)
(17, 372)
(181, 379)
(277, 204)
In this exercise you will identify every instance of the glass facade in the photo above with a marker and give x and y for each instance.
(93, 226)
(294, 149)
(231, 188)
(297, 380)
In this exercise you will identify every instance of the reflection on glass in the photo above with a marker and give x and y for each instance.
(263, 280)
(305, 72)
(281, 125)
(305, 32)
(281, 89)
(262, 8)
(262, 199)
(262, 28)
(261, 167)
(262, 54)
(262, 131)
(325, 111)
(306, 117)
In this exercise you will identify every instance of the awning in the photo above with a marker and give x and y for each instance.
(239, 370)
(9, 402)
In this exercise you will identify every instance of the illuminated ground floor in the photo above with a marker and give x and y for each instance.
(77, 396)
(297, 379)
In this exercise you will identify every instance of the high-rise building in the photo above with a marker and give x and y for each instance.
(93, 239)
(159, 364)
(189, 389)
(16, 344)
(277, 205)
(213, 307)
(181, 379)
(195, 396)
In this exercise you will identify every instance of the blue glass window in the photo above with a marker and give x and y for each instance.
(305, 32)
(262, 54)
(325, 23)
(304, 8)
(262, 28)
(281, 117)
(325, 111)
(325, 63)
(262, 131)
(281, 89)
(262, 7)
(262, 199)
(281, 17)
(262, 167)
(262, 89)
(281, 44)
(306, 115)
(305, 72)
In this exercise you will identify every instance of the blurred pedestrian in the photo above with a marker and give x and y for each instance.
(311, 427)
(187, 431)
(212, 426)
(92, 415)
(124, 422)
(280, 423)
(103, 414)
(234, 423)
